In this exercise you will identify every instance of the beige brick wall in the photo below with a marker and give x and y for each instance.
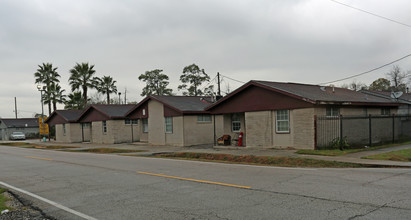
(176, 137)
(259, 128)
(303, 128)
(73, 133)
(156, 130)
(196, 133)
(283, 140)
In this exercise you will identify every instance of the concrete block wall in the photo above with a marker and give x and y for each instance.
(196, 133)
(176, 138)
(259, 128)
(156, 123)
(73, 133)
(302, 125)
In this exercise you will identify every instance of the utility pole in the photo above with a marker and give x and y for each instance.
(15, 106)
(218, 82)
(125, 95)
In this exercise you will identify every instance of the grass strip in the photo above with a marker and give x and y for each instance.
(261, 160)
(3, 200)
(31, 145)
(106, 150)
(400, 155)
(338, 152)
(16, 144)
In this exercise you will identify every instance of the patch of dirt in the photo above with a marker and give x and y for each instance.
(21, 210)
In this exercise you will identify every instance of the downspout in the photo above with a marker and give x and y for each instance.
(215, 136)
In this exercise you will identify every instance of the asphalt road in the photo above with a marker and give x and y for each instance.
(122, 187)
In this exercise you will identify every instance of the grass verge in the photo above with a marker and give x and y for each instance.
(31, 145)
(261, 160)
(337, 152)
(400, 155)
(106, 150)
(3, 200)
(16, 144)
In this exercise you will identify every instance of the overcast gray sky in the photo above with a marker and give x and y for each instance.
(303, 41)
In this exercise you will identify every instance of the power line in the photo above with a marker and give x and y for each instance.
(373, 14)
(232, 78)
(368, 70)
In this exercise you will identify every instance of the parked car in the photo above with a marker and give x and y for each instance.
(17, 136)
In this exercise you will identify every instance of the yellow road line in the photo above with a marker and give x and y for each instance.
(195, 180)
(39, 158)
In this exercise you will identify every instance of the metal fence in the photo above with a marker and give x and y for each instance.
(359, 131)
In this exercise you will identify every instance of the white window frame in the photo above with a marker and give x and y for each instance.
(168, 123)
(235, 122)
(203, 118)
(280, 119)
(332, 112)
(131, 121)
(145, 125)
(385, 111)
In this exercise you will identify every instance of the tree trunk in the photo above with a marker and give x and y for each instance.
(54, 105)
(85, 97)
(49, 105)
(108, 98)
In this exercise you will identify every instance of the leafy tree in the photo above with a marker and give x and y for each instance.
(156, 83)
(82, 77)
(54, 96)
(106, 85)
(381, 84)
(354, 85)
(75, 101)
(192, 78)
(397, 78)
(47, 75)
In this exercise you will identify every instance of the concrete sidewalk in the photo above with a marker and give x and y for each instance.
(151, 149)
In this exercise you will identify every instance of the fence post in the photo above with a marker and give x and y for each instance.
(315, 132)
(393, 128)
(341, 133)
(369, 130)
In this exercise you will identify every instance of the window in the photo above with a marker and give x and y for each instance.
(235, 123)
(145, 125)
(283, 121)
(332, 112)
(385, 111)
(169, 124)
(204, 118)
(64, 129)
(104, 127)
(133, 121)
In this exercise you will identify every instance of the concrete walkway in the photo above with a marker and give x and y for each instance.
(151, 149)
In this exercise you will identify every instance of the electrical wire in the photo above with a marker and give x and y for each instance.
(373, 14)
(232, 79)
(369, 71)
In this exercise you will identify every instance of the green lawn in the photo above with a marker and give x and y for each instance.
(400, 155)
(337, 152)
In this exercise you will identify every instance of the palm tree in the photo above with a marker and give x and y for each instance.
(57, 95)
(47, 75)
(82, 77)
(106, 85)
(75, 101)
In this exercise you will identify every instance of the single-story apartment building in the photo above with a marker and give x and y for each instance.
(29, 126)
(68, 130)
(174, 120)
(281, 115)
